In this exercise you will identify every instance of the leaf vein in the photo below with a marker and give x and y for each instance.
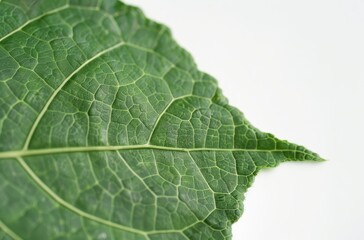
(50, 100)
(9, 232)
(33, 20)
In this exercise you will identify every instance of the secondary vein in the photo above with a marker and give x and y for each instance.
(59, 88)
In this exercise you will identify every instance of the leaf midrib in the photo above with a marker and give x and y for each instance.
(46, 151)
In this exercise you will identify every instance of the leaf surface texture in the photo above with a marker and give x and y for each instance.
(109, 131)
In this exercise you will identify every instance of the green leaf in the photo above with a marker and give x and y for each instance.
(109, 131)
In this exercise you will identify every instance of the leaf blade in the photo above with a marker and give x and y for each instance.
(108, 123)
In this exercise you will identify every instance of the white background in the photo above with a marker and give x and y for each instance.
(296, 69)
